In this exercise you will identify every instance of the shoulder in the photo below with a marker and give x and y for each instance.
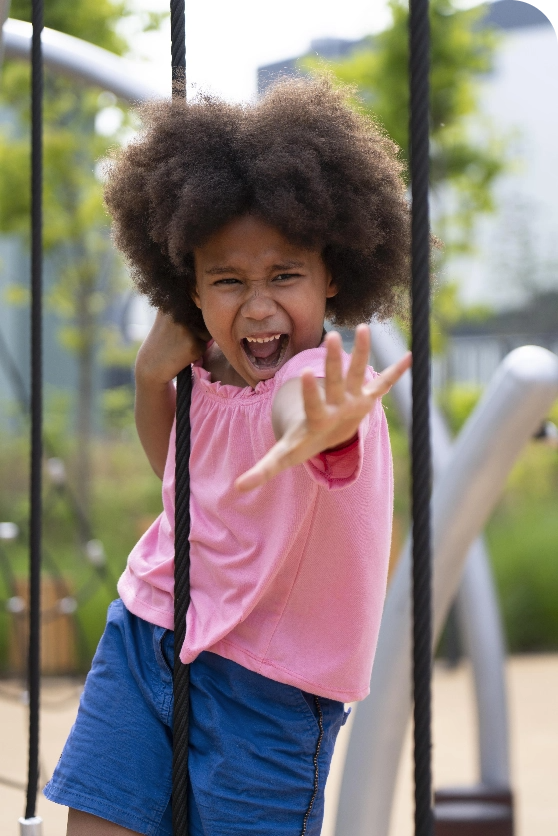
(313, 358)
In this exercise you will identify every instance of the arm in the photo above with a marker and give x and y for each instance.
(310, 417)
(167, 349)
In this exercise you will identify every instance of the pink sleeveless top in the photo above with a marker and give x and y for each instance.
(288, 580)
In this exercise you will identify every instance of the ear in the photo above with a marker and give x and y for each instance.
(196, 297)
(331, 289)
(194, 294)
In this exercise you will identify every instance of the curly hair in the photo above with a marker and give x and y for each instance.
(300, 159)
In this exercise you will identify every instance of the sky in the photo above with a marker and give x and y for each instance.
(227, 41)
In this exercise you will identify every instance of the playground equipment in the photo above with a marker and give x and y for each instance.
(79, 60)
(469, 478)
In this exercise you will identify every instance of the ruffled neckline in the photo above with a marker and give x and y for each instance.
(227, 390)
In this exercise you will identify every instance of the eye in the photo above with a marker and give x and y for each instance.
(226, 282)
(283, 277)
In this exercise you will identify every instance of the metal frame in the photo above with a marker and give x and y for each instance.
(521, 393)
(80, 60)
(477, 606)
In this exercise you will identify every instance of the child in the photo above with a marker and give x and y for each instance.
(246, 227)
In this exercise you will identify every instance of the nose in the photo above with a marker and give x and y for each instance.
(259, 305)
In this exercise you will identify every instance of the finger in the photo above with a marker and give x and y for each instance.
(250, 480)
(312, 396)
(359, 361)
(334, 382)
(383, 383)
(261, 473)
(279, 458)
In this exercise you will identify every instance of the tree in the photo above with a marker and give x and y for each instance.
(466, 153)
(76, 230)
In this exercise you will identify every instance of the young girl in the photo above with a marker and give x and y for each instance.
(246, 227)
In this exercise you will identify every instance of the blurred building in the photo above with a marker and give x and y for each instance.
(517, 247)
(514, 267)
(476, 348)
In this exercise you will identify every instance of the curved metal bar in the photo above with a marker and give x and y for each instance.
(81, 61)
(519, 396)
(478, 612)
(481, 629)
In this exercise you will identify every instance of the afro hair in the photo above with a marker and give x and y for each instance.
(300, 159)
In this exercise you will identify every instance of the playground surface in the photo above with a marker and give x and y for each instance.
(533, 691)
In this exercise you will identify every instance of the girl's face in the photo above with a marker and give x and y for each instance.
(263, 299)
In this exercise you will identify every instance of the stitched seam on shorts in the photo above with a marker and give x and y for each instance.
(316, 766)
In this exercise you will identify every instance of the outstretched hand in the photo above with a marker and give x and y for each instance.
(312, 415)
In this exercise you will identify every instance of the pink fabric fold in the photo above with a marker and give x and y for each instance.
(288, 580)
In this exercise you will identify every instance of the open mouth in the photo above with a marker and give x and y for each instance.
(265, 353)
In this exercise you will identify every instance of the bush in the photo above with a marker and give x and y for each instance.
(522, 535)
(126, 499)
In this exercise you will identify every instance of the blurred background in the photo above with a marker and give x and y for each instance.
(494, 187)
(494, 208)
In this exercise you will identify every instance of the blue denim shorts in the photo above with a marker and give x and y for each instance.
(252, 746)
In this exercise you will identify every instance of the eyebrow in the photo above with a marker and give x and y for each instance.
(220, 271)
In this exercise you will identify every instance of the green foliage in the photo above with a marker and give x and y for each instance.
(462, 53)
(92, 20)
(522, 534)
(118, 411)
(448, 310)
(75, 222)
(457, 401)
(126, 499)
(76, 231)
(523, 543)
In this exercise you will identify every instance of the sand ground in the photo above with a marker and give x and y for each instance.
(533, 696)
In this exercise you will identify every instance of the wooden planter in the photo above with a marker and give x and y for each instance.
(58, 641)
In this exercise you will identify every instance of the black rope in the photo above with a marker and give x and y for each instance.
(181, 684)
(34, 672)
(178, 48)
(181, 603)
(419, 66)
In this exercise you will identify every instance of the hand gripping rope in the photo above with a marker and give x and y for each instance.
(31, 825)
(181, 682)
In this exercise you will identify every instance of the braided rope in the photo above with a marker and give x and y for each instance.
(34, 669)
(419, 67)
(178, 48)
(181, 682)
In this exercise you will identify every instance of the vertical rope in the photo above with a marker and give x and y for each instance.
(34, 671)
(181, 684)
(178, 48)
(419, 68)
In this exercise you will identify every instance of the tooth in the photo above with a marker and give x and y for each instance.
(263, 339)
